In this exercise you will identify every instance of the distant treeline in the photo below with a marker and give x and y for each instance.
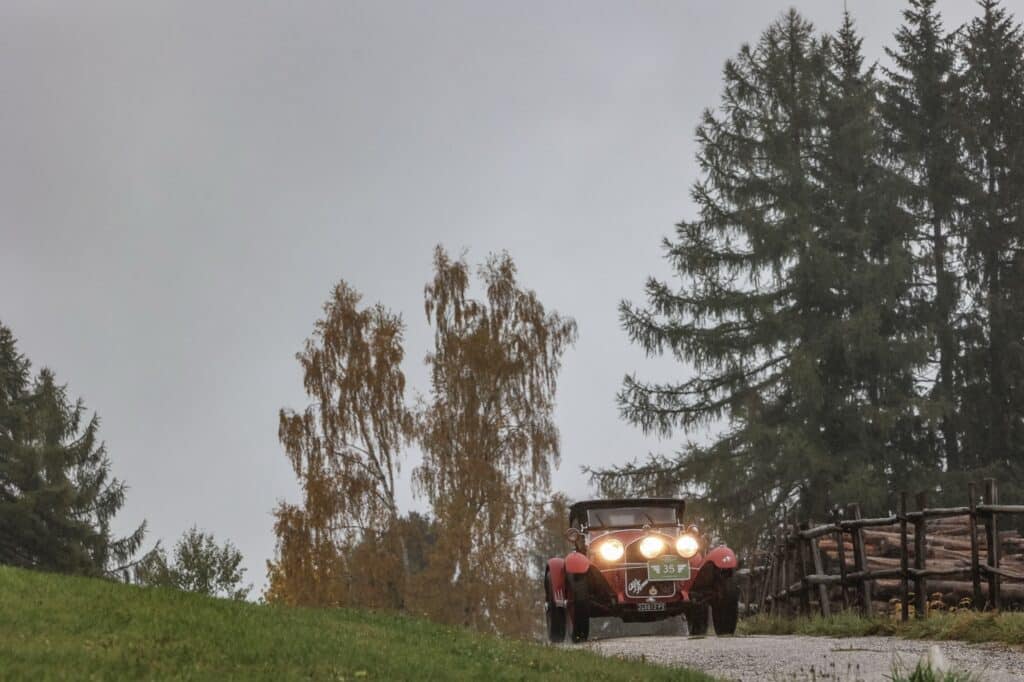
(848, 308)
(58, 497)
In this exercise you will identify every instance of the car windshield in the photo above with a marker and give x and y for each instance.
(631, 517)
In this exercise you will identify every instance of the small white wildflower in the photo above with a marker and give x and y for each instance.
(936, 660)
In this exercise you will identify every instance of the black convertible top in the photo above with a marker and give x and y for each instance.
(577, 512)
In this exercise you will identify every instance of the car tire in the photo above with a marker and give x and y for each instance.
(725, 606)
(579, 609)
(697, 620)
(554, 615)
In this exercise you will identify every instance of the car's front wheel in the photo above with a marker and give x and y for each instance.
(553, 614)
(579, 610)
(725, 605)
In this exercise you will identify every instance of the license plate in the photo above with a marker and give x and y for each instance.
(650, 606)
(668, 568)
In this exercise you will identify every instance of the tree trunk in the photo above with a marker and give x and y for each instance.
(947, 347)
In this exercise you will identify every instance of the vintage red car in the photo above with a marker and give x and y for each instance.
(635, 559)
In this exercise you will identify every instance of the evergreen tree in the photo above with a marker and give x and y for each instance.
(924, 144)
(792, 308)
(873, 339)
(57, 497)
(735, 317)
(991, 97)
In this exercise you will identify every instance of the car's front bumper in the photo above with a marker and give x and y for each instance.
(639, 612)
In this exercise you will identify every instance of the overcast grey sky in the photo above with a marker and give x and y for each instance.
(182, 183)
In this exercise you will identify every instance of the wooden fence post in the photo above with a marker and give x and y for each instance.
(780, 582)
(920, 549)
(764, 605)
(972, 493)
(747, 588)
(781, 574)
(904, 560)
(841, 549)
(773, 590)
(992, 539)
(860, 561)
(805, 587)
(819, 569)
(792, 600)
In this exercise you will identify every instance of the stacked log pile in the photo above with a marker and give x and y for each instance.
(948, 547)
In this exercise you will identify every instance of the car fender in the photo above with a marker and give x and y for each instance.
(722, 557)
(577, 563)
(556, 572)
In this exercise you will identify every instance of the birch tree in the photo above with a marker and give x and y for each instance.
(345, 448)
(488, 437)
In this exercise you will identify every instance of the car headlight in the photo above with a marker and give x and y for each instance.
(651, 546)
(611, 550)
(687, 545)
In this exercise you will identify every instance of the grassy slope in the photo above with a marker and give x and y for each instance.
(968, 626)
(55, 627)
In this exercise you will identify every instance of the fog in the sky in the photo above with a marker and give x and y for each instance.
(182, 183)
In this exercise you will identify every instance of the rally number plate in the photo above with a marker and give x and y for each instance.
(651, 606)
(668, 568)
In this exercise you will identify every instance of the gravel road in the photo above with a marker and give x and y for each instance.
(775, 657)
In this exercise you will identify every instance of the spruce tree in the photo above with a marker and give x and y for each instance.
(736, 316)
(57, 497)
(792, 304)
(873, 339)
(991, 97)
(924, 145)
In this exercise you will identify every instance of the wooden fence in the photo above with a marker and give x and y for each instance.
(807, 568)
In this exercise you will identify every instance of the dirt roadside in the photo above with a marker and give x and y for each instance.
(794, 657)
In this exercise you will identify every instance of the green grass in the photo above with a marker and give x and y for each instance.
(56, 627)
(924, 673)
(968, 626)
